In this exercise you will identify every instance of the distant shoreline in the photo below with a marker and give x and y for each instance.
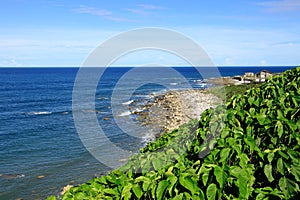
(172, 109)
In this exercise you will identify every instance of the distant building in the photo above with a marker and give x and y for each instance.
(250, 77)
(263, 75)
(249, 74)
(238, 78)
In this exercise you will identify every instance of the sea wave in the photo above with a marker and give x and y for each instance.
(47, 112)
(136, 111)
(39, 113)
(102, 98)
(126, 113)
(147, 138)
(128, 102)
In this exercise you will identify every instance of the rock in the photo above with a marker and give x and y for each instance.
(123, 160)
(174, 108)
(41, 176)
(11, 176)
(65, 189)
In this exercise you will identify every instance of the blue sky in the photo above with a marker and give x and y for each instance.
(233, 33)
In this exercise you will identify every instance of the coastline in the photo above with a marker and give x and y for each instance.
(169, 110)
(166, 112)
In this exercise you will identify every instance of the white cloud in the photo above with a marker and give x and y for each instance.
(106, 14)
(93, 11)
(137, 11)
(150, 7)
(229, 61)
(281, 5)
(263, 63)
(144, 9)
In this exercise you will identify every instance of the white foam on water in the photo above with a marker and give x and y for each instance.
(126, 113)
(147, 138)
(127, 102)
(138, 110)
(39, 113)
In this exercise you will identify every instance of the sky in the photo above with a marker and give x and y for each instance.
(54, 33)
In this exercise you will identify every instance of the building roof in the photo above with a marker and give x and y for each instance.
(266, 71)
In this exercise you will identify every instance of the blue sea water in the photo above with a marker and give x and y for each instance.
(40, 150)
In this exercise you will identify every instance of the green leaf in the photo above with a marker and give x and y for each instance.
(236, 171)
(270, 156)
(211, 192)
(295, 170)
(178, 197)
(110, 191)
(102, 180)
(126, 192)
(146, 185)
(280, 167)
(260, 196)
(112, 178)
(251, 142)
(160, 190)
(274, 140)
(243, 160)
(189, 183)
(205, 178)
(279, 128)
(280, 115)
(251, 100)
(157, 163)
(224, 154)
(256, 102)
(137, 191)
(268, 172)
(199, 196)
(173, 181)
(219, 174)
(80, 195)
(283, 154)
(51, 197)
(186, 196)
(212, 143)
(287, 186)
(243, 179)
(261, 118)
(294, 155)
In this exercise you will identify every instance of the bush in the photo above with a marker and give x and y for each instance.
(252, 146)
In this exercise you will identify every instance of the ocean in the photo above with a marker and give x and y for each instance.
(40, 149)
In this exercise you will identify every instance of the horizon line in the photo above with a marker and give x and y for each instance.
(67, 66)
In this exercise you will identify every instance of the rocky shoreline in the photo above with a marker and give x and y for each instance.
(167, 111)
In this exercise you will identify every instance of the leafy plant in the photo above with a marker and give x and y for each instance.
(251, 148)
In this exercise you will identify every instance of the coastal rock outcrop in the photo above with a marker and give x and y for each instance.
(166, 112)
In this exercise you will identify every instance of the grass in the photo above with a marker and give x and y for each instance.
(228, 91)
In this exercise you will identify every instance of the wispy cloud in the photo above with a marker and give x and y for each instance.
(137, 11)
(150, 7)
(140, 9)
(281, 5)
(144, 9)
(106, 14)
(93, 11)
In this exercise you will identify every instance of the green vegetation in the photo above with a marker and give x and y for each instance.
(248, 149)
(231, 90)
